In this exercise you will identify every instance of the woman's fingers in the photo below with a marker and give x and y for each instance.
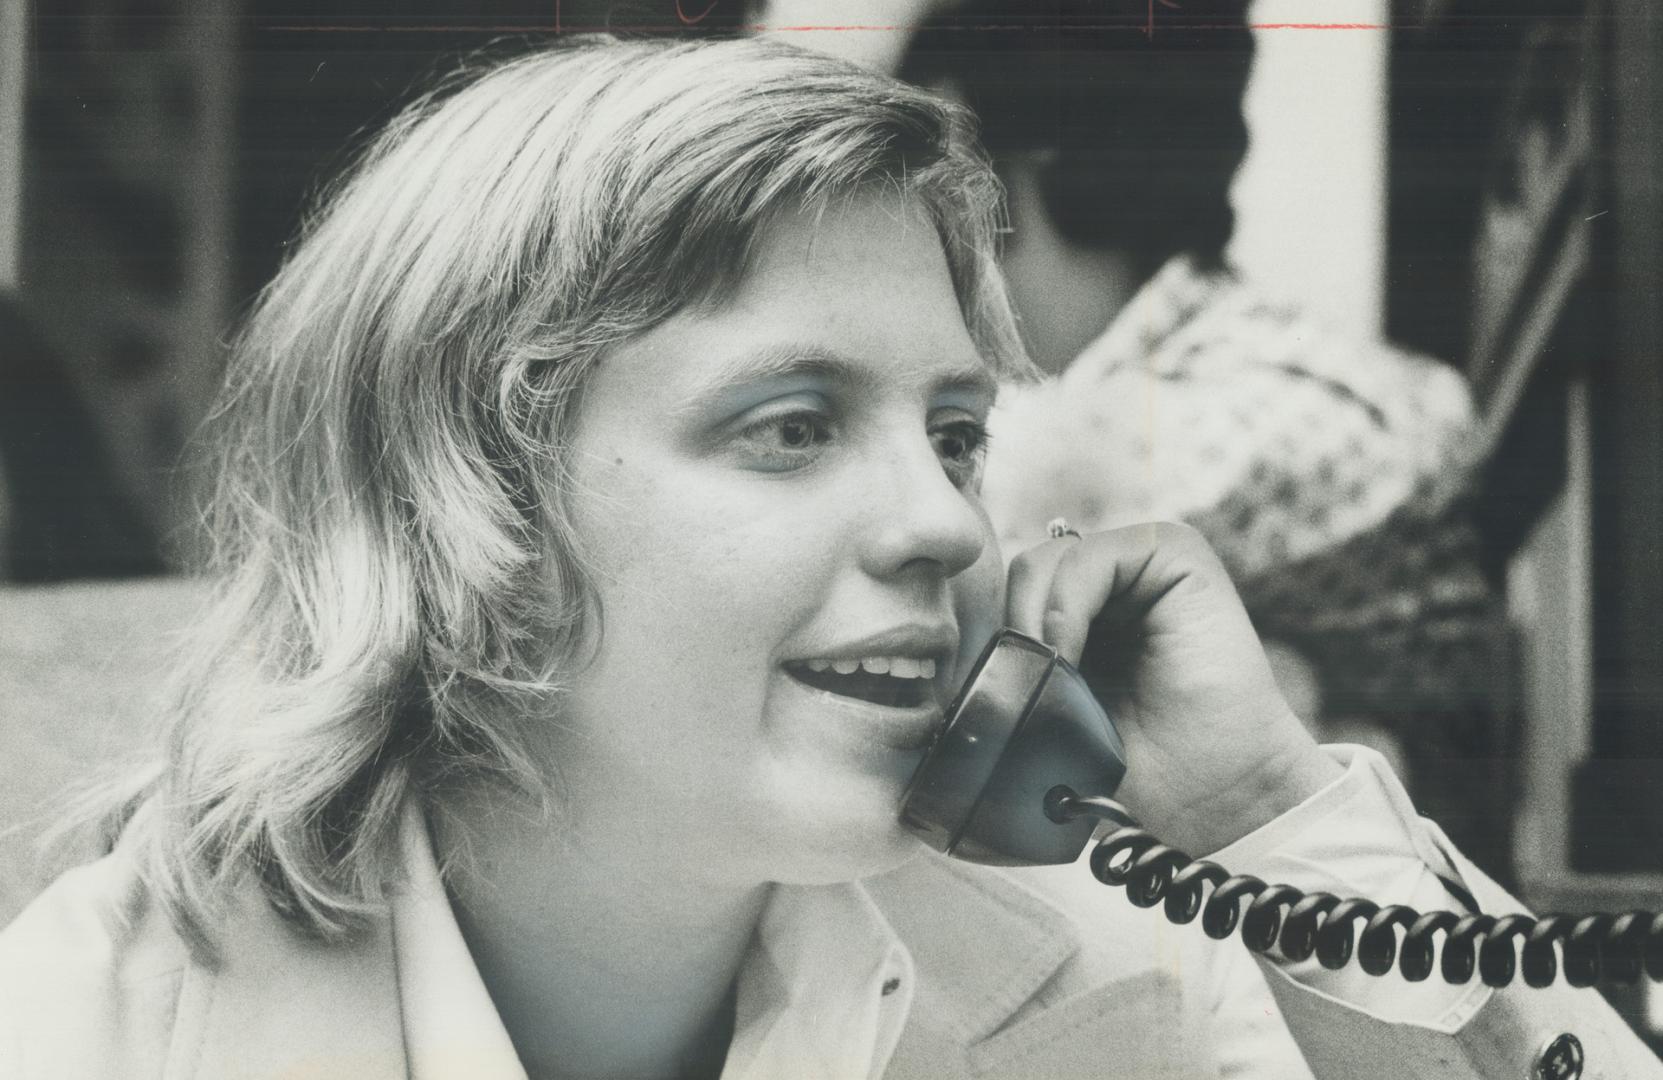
(1058, 589)
(1028, 585)
(1212, 749)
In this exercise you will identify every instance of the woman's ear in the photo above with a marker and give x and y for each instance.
(1065, 294)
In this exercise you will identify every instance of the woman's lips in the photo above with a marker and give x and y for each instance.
(902, 683)
(898, 714)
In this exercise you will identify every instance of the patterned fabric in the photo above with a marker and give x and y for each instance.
(1325, 470)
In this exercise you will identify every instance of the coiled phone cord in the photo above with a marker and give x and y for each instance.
(1613, 947)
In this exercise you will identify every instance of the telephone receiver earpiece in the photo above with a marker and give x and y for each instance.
(1024, 726)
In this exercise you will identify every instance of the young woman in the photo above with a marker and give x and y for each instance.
(600, 544)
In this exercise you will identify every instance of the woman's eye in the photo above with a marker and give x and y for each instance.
(961, 445)
(786, 440)
(798, 432)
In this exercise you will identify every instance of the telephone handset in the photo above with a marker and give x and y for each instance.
(1026, 766)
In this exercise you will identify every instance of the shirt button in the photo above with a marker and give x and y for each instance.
(890, 985)
(1560, 1059)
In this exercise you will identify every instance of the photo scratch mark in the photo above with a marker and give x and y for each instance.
(694, 20)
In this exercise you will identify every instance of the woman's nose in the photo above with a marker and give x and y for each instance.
(923, 519)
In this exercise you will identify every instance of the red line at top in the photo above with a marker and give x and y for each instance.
(1149, 22)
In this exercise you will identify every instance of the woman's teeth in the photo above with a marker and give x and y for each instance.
(898, 667)
(896, 681)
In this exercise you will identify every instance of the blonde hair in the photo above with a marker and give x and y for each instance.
(400, 593)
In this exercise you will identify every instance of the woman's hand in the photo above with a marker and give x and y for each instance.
(1150, 617)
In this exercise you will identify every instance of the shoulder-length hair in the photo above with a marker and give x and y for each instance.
(400, 593)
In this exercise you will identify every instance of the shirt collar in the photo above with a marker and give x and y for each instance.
(824, 992)
(983, 942)
(451, 1027)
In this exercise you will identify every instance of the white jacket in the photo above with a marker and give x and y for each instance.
(939, 969)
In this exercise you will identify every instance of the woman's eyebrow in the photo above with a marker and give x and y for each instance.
(777, 361)
(808, 362)
(781, 361)
(977, 382)
(749, 378)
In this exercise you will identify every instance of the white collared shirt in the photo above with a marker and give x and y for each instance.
(1361, 836)
(824, 992)
(827, 987)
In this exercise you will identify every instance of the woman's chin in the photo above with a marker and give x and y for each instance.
(851, 830)
(852, 858)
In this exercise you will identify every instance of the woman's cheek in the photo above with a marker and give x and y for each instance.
(979, 602)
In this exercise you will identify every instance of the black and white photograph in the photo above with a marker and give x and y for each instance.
(831, 539)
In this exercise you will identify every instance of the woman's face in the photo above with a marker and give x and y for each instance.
(779, 501)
